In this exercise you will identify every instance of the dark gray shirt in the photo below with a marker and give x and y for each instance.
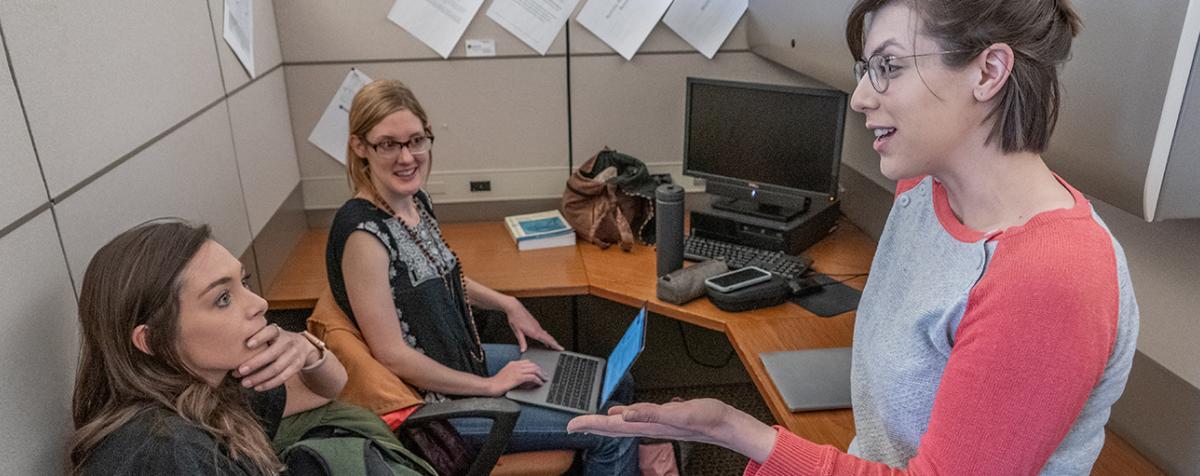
(159, 442)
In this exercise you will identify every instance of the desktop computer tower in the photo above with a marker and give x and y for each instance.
(791, 237)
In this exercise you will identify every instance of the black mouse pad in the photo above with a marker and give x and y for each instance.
(834, 298)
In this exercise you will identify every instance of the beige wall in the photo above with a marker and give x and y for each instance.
(502, 119)
(115, 113)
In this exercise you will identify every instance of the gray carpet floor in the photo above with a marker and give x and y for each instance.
(702, 459)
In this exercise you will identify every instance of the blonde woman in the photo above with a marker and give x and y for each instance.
(396, 279)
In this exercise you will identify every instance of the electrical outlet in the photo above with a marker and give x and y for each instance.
(481, 185)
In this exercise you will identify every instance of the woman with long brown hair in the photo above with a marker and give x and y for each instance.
(179, 371)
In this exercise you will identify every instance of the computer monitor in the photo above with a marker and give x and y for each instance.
(764, 150)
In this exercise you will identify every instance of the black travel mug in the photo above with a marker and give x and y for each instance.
(668, 205)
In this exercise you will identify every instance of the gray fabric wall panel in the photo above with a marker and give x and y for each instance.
(101, 78)
(38, 349)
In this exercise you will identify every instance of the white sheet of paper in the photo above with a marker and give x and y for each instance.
(536, 22)
(622, 24)
(705, 24)
(333, 129)
(437, 23)
(239, 31)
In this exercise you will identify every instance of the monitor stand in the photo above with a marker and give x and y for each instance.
(761, 210)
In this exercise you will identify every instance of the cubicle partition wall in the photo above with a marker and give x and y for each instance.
(518, 120)
(112, 113)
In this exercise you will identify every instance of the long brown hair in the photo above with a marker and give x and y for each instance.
(1038, 31)
(133, 280)
(370, 106)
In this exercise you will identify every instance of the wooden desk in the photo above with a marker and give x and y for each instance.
(302, 279)
(490, 258)
(487, 254)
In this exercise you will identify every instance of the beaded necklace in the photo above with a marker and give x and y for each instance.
(442, 270)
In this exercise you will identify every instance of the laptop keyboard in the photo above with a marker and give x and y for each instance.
(572, 382)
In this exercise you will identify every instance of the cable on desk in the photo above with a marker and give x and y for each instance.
(687, 350)
(846, 278)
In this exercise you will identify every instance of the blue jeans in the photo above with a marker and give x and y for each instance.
(541, 428)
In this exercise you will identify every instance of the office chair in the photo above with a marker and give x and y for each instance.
(372, 386)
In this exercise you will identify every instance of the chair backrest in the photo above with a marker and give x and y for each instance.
(370, 385)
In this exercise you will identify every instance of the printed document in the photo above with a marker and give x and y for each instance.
(333, 130)
(705, 24)
(437, 23)
(622, 24)
(239, 31)
(536, 22)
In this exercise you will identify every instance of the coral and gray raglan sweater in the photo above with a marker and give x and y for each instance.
(981, 353)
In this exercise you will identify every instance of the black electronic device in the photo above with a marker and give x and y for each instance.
(737, 256)
(765, 151)
(737, 279)
(790, 237)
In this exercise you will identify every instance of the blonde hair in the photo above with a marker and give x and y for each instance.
(371, 105)
(135, 279)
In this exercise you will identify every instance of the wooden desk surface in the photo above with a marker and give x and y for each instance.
(487, 254)
(490, 258)
(630, 278)
(302, 279)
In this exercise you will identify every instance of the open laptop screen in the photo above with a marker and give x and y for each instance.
(623, 355)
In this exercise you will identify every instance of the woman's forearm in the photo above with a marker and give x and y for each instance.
(420, 371)
(488, 298)
(746, 435)
(327, 379)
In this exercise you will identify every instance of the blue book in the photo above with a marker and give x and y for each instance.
(540, 230)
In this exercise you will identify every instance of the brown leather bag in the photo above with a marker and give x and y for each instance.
(610, 199)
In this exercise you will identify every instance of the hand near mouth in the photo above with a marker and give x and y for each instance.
(279, 355)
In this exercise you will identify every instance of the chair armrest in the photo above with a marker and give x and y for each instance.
(502, 411)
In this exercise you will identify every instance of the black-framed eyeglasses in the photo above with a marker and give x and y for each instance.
(391, 148)
(881, 68)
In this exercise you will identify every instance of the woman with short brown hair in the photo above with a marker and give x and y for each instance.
(998, 325)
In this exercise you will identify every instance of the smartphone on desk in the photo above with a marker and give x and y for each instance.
(737, 279)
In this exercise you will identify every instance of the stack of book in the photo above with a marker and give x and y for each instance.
(540, 230)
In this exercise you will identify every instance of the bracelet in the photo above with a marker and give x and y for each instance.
(320, 345)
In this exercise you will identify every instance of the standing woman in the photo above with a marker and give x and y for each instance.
(393, 275)
(999, 323)
(179, 372)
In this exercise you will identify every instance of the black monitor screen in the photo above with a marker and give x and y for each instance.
(784, 136)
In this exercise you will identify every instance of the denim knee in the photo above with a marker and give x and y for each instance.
(612, 456)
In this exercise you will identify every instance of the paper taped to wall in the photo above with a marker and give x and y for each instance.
(705, 24)
(437, 23)
(535, 22)
(239, 31)
(622, 24)
(333, 129)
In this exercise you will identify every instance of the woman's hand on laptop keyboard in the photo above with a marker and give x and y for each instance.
(518, 373)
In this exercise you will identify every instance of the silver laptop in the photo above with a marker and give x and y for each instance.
(812, 379)
(581, 383)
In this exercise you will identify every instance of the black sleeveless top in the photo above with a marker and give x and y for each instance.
(430, 306)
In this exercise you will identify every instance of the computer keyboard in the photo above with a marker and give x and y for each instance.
(740, 256)
(572, 381)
